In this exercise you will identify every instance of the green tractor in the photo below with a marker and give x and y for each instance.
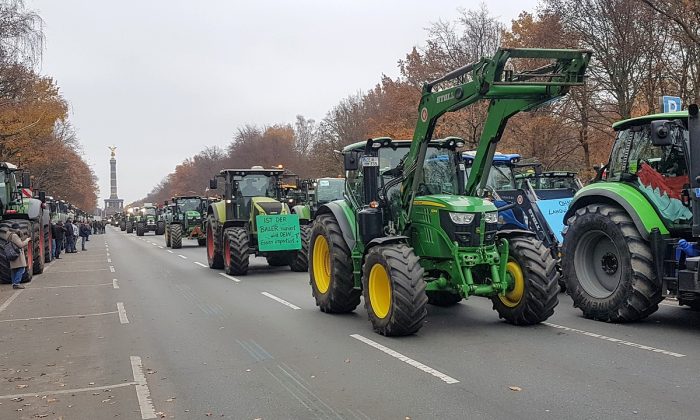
(411, 231)
(251, 219)
(183, 218)
(631, 236)
(150, 220)
(318, 192)
(132, 217)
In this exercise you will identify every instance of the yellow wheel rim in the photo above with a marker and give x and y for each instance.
(379, 291)
(515, 294)
(321, 259)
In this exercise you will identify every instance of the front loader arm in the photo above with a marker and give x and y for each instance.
(508, 91)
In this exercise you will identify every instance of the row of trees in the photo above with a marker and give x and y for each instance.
(641, 51)
(35, 132)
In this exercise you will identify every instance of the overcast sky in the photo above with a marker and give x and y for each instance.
(162, 79)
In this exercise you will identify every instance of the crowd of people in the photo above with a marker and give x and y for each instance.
(65, 235)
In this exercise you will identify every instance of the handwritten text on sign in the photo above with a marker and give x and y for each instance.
(278, 233)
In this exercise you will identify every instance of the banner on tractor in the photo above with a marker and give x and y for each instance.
(553, 212)
(278, 232)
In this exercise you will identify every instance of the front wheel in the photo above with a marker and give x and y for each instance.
(534, 287)
(176, 236)
(608, 266)
(394, 290)
(215, 257)
(160, 228)
(140, 229)
(236, 249)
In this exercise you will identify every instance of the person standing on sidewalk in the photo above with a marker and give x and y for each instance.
(70, 240)
(19, 265)
(59, 235)
(84, 233)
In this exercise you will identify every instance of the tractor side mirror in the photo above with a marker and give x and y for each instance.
(42, 196)
(26, 180)
(351, 161)
(213, 184)
(660, 133)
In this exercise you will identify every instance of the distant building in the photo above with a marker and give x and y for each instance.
(113, 204)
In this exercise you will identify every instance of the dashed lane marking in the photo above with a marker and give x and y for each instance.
(201, 265)
(143, 394)
(170, 251)
(68, 286)
(122, 313)
(109, 260)
(115, 284)
(161, 247)
(80, 271)
(40, 318)
(418, 365)
(615, 340)
(9, 300)
(230, 277)
(67, 391)
(111, 268)
(182, 256)
(280, 300)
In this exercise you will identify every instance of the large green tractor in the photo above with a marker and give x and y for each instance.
(184, 219)
(251, 219)
(631, 236)
(411, 231)
(150, 220)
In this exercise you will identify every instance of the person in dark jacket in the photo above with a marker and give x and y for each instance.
(59, 235)
(70, 239)
(84, 234)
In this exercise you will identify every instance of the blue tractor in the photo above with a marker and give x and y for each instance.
(528, 198)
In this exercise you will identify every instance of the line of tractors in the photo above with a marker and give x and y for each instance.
(421, 221)
(35, 212)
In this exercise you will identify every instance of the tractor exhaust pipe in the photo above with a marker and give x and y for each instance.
(694, 169)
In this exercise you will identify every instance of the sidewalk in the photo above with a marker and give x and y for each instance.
(62, 343)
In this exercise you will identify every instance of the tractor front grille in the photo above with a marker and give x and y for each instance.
(468, 235)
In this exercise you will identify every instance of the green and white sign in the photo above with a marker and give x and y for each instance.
(278, 233)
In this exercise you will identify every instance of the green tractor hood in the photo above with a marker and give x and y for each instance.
(456, 203)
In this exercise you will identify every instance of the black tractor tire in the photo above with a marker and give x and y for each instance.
(201, 241)
(236, 251)
(38, 248)
(330, 268)
(443, 298)
(122, 226)
(215, 256)
(277, 259)
(129, 227)
(48, 244)
(532, 267)
(167, 236)
(299, 260)
(160, 228)
(608, 266)
(396, 304)
(176, 236)
(140, 229)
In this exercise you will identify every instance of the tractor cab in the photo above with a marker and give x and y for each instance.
(252, 192)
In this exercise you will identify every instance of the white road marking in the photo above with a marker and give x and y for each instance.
(9, 300)
(40, 318)
(200, 264)
(616, 340)
(69, 286)
(170, 251)
(230, 277)
(161, 247)
(122, 313)
(80, 271)
(108, 254)
(115, 284)
(418, 365)
(66, 391)
(111, 268)
(182, 256)
(154, 244)
(142, 392)
(280, 300)
(109, 260)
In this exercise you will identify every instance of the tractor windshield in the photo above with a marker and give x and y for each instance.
(188, 204)
(501, 177)
(329, 190)
(256, 185)
(150, 211)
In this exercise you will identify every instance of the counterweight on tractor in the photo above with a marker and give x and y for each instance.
(410, 224)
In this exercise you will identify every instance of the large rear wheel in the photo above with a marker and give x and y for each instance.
(37, 248)
(215, 256)
(330, 268)
(534, 287)
(394, 290)
(140, 228)
(608, 266)
(167, 237)
(236, 249)
(176, 236)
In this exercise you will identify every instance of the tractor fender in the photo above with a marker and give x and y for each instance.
(385, 240)
(214, 210)
(303, 212)
(345, 217)
(642, 212)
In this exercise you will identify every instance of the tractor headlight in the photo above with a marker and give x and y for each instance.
(491, 217)
(462, 218)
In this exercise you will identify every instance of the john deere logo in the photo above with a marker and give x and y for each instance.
(424, 114)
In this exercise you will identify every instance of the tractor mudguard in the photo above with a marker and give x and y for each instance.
(218, 210)
(641, 211)
(304, 213)
(345, 217)
(384, 240)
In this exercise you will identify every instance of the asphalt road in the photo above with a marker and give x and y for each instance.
(151, 332)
